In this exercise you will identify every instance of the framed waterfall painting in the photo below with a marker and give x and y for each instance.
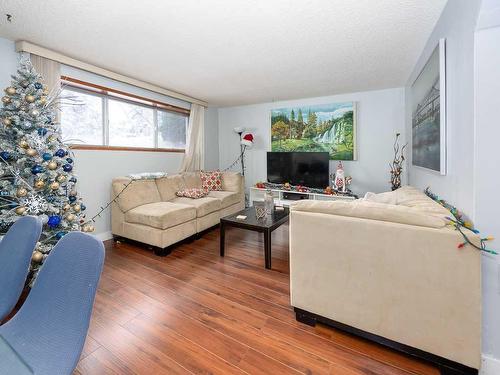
(325, 127)
(428, 108)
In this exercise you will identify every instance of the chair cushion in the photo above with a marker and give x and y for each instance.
(161, 215)
(169, 185)
(227, 198)
(232, 181)
(211, 180)
(203, 206)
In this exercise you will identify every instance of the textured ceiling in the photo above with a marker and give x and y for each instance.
(230, 52)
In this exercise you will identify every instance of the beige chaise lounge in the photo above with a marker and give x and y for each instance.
(149, 211)
(390, 270)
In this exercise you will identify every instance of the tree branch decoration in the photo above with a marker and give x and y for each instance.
(397, 164)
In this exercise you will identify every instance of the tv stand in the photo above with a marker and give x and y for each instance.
(286, 197)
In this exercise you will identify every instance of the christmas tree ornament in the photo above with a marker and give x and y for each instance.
(70, 217)
(83, 207)
(39, 184)
(35, 112)
(54, 185)
(37, 169)
(6, 99)
(23, 143)
(66, 207)
(43, 100)
(42, 131)
(5, 155)
(60, 153)
(31, 152)
(67, 167)
(54, 221)
(60, 235)
(21, 192)
(73, 193)
(7, 121)
(72, 199)
(20, 210)
(61, 178)
(29, 98)
(69, 160)
(38, 86)
(10, 90)
(25, 83)
(47, 156)
(52, 165)
(73, 180)
(37, 257)
(77, 208)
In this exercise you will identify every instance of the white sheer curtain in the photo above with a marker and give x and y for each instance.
(194, 155)
(50, 71)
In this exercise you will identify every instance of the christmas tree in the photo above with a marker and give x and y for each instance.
(36, 168)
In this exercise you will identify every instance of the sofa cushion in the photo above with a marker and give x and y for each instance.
(388, 197)
(227, 198)
(169, 185)
(410, 196)
(211, 180)
(193, 193)
(232, 181)
(203, 206)
(192, 180)
(161, 215)
(373, 211)
(138, 193)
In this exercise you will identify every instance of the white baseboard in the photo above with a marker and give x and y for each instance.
(104, 236)
(490, 366)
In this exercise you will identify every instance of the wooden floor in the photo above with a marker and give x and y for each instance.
(195, 312)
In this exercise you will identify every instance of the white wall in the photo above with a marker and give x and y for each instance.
(380, 116)
(456, 24)
(486, 164)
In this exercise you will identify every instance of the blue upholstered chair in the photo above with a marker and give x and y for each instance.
(16, 249)
(49, 330)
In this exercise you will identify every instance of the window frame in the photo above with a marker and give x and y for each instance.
(106, 94)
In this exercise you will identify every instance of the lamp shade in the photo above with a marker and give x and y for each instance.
(247, 140)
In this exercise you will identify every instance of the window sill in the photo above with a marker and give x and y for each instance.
(122, 148)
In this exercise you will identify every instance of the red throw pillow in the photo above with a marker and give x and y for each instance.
(194, 193)
(211, 180)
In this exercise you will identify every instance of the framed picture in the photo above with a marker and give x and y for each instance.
(313, 128)
(428, 122)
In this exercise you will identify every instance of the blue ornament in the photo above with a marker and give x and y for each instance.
(54, 221)
(83, 207)
(38, 86)
(42, 131)
(60, 153)
(5, 155)
(72, 198)
(67, 167)
(47, 156)
(60, 235)
(73, 179)
(37, 169)
(50, 198)
(69, 160)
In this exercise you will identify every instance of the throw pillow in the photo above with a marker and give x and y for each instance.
(211, 180)
(194, 193)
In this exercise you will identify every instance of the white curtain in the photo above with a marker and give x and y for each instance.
(194, 155)
(50, 71)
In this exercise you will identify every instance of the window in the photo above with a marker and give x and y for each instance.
(99, 117)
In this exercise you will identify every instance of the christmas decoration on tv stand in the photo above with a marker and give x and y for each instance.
(36, 168)
(397, 164)
(339, 180)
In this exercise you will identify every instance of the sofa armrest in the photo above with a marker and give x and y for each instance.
(407, 283)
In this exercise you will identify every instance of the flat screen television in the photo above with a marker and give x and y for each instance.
(309, 169)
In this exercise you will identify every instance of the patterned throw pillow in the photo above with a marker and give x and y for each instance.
(194, 193)
(211, 180)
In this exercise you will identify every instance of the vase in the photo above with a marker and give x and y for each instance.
(268, 202)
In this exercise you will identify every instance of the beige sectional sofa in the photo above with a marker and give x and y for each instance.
(388, 268)
(149, 211)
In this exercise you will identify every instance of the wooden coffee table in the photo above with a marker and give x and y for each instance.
(266, 226)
